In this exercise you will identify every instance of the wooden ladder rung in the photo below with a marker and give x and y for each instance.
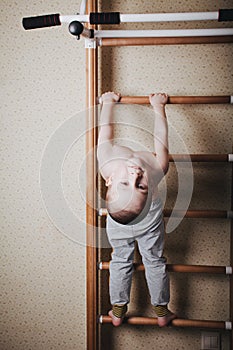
(226, 99)
(203, 158)
(199, 213)
(225, 270)
(178, 322)
(166, 40)
(202, 214)
(208, 158)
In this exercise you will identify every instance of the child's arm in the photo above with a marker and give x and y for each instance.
(105, 138)
(158, 102)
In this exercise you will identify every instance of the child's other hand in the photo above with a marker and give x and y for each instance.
(158, 99)
(109, 97)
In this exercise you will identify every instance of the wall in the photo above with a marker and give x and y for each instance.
(43, 271)
(43, 92)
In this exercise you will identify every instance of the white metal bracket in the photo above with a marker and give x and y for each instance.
(228, 326)
(228, 270)
(90, 43)
(230, 157)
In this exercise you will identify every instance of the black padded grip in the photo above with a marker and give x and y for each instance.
(105, 18)
(225, 15)
(41, 21)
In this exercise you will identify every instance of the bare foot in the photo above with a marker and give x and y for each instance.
(116, 321)
(165, 320)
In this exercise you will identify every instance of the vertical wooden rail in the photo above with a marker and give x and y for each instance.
(91, 213)
(231, 261)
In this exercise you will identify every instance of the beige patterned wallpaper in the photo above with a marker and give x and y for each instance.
(42, 270)
(43, 233)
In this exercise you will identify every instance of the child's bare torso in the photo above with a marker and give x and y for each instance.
(146, 160)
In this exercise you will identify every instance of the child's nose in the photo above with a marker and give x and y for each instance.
(136, 175)
(136, 172)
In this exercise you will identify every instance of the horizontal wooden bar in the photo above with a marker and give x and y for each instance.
(104, 265)
(205, 214)
(178, 322)
(205, 158)
(197, 213)
(166, 40)
(200, 158)
(179, 100)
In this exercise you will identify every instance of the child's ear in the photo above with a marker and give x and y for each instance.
(108, 181)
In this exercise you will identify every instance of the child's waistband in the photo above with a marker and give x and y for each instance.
(152, 219)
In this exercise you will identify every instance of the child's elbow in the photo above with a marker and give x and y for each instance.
(165, 167)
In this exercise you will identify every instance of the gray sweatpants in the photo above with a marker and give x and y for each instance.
(149, 233)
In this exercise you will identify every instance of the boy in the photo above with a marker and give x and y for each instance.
(135, 210)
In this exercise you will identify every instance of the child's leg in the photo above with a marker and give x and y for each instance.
(151, 248)
(121, 269)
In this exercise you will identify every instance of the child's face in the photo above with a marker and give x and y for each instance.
(130, 185)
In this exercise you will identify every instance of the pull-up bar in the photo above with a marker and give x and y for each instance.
(225, 270)
(178, 322)
(56, 19)
(138, 37)
(162, 33)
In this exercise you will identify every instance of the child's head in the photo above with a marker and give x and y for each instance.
(128, 197)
